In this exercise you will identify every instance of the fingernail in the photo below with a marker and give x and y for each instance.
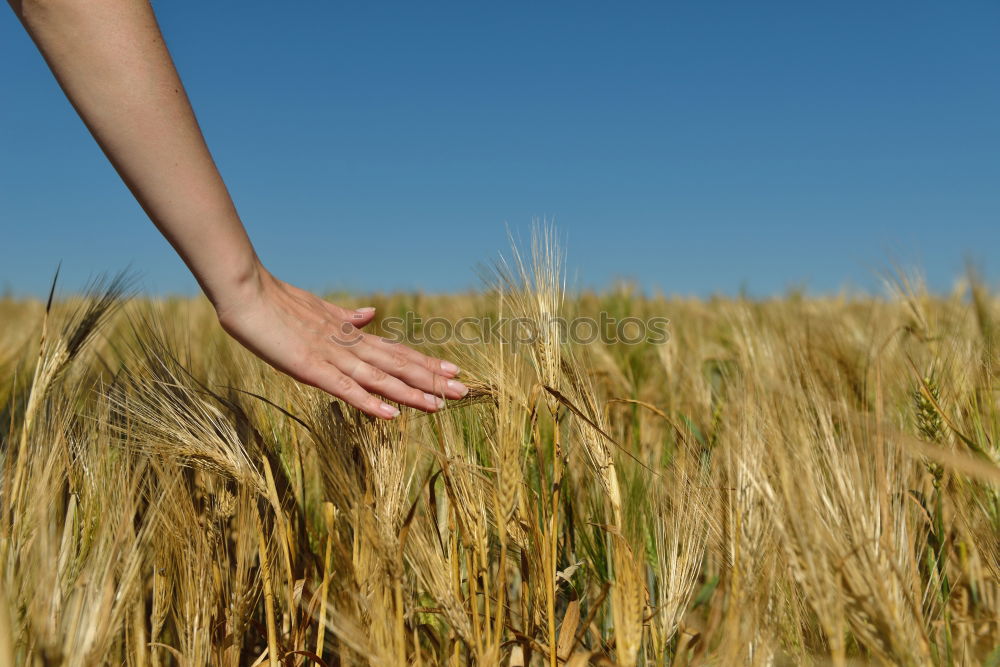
(436, 401)
(458, 386)
(361, 312)
(449, 367)
(390, 411)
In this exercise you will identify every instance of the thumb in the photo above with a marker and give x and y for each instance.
(360, 317)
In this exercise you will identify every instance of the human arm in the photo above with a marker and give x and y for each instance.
(110, 59)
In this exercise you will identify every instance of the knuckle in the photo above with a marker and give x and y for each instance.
(399, 359)
(378, 375)
(343, 384)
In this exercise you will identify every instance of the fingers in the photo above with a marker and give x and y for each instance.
(379, 381)
(432, 364)
(367, 365)
(327, 377)
(358, 318)
(354, 380)
(394, 362)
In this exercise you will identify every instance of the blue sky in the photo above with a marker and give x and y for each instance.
(693, 147)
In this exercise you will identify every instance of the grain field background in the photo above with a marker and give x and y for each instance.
(797, 480)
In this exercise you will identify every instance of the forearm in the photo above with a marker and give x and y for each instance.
(111, 61)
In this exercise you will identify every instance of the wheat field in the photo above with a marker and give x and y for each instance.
(797, 480)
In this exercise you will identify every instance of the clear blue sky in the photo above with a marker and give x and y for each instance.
(693, 147)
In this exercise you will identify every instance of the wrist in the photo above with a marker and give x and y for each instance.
(241, 287)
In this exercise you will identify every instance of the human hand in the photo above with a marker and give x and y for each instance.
(320, 344)
(113, 64)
